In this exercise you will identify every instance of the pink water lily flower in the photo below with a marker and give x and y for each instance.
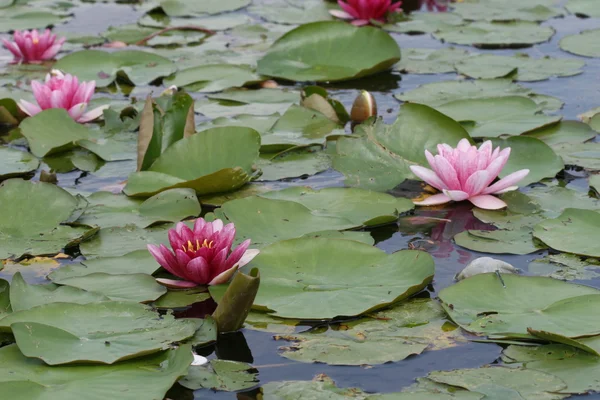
(465, 173)
(33, 47)
(202, 256)
(361, 12)
(63, 91)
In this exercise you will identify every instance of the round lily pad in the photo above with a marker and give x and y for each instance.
(586, 43)
(587, 8)
(574, 231)
(16, 163)
(482, 305)
(324, 278)
(326, 51)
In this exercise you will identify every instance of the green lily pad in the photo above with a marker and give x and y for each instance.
(494, 35)
(181, 298)
(586, 43)
(182, 8)
(23, 19)
(564, 132)
(148, 377)
(292, 12)
(119, 241)
(24, 296)
(502, 241)
(588, 8)
(212, 161)
(520, 67)
(510, 10)
(530, 153)
(554, 200)
(140, 67)
(293, 163)
(497, 382)
(322, 387)
(52, 131)
(221, 375)
(354, 204)
(426, 22)
(426, 389)
(105, 332)
(213, 77)
(321, 286)
(16, 163)
(387, 336)
(107, 209)
(379, 159)
(136, 262)
(566, 267)
(326, 51)
(299, 126)
(4, 298)
(140, 288)
(496, 116)
(438, 93)
(30, 218)
(574, 231)
(430, 61)
(481, 305)
(586, 155)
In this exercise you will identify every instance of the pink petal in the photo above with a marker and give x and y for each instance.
(198, 271)
(93, 114)
(217, 225)
(237, 254)
(176, 284)
(50, 52)
(29, 108)
(360, 22)
(507, 181)
(428, 176)
(477, 182)
(447, 173)
(463, 145)
(434, 200)
(58, 99)
(456, 195)
(77, 111)
(340, 14)
(13, 48)
(349, 9)
(247, 257)
(223, 277)
(487, 202)
(164, 257)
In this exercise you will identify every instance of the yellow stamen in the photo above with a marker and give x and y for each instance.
(35, 40)
(191, 247)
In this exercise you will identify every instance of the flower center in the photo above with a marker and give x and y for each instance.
(35, 40)
(198, 245)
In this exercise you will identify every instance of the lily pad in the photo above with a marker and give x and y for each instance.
(107, 209)
(23, 19)
(482, 305)
(387, 336)
(587, 8)
(426, 22)
(520, 67)
(354, 204)
(140, 67)
(52, 131)
(565, 267)
(494, 35)
(509, 10)
(222, 375)
(496, 116)
(181, 298)
(379, 159)
(104, 332)
(24, 296)
(148, 377)
(574, 231)
(183, 8)
(292, 12)
(586, 155)
(322, 387)
(325, 51)
(213, 77)
(502, 241)
(31, 217)
(564, 132)
(212, 161)
(430, 61)
(293, 163)
(530, 153)
(321, 286)
(586, 43)
(16, 163)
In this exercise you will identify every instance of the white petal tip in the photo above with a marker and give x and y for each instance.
(176, 284)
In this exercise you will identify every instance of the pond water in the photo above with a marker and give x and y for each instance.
(579, 93)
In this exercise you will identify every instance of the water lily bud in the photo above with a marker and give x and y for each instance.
(483, 265)
(270, 84)
(364, 107)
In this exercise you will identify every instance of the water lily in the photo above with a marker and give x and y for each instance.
(33, 47)
(202, 256)
(63, 91)
(361, 12)
(467, 173)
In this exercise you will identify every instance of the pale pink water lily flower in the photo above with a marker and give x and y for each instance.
(361, 12)
(33, 47)
(466, 173)
(63, 91)
(203, 255)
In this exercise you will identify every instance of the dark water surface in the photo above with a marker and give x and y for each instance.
(580, 93)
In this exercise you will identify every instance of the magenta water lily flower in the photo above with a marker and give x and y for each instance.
(63, 91)
(202, 256)
(361, 12)
(466, 173)
(33, 47)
